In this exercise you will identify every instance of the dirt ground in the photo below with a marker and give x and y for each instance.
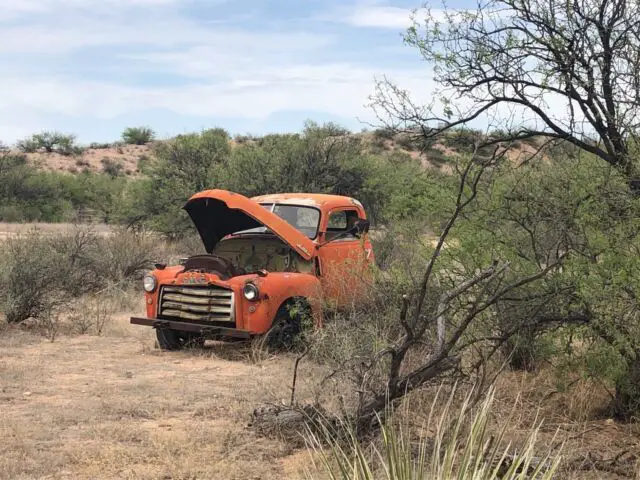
(115, 407)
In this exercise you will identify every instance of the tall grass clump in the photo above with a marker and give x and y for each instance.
(455, 443)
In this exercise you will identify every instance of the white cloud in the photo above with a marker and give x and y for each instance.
(212, 70)
(12, 9)
(396, 18)
(379, 16)
(337, 89)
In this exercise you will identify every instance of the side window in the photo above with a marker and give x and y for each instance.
(339, 222)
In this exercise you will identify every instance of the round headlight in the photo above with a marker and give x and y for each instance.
(149, 283)
(250, 292)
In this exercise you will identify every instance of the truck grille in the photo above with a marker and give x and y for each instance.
(203, 303)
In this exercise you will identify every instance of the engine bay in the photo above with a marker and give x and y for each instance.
(242, 255)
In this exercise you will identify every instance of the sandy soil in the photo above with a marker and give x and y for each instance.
(115, 407)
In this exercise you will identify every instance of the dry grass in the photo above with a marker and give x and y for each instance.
(115, 407)
(8, 230)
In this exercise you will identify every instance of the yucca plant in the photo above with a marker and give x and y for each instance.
(461, 447)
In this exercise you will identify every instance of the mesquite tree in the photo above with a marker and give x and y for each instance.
(561, 70)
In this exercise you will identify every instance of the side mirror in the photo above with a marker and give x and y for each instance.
(360, 227)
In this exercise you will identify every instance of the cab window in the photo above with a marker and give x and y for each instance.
(339, 222)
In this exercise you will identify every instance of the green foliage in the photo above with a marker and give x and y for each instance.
(27, 194)
(581, 211)
(321, 159)
(112, 167)
(50, 142)
(462, 139)
(100, 146)
(138, 135)
(385, 133)
(184, 165)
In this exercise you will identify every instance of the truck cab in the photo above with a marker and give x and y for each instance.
(271, 263)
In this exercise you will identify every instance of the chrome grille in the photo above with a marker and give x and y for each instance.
(205, 303)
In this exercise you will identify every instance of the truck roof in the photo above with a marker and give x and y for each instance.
(319, 200)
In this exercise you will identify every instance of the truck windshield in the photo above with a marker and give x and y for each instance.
(304, 219)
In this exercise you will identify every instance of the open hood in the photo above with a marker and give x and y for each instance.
(217, 213)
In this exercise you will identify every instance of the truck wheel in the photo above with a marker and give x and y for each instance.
(176, 340)
(285, 331)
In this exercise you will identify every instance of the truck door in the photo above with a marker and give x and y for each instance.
(343, 261)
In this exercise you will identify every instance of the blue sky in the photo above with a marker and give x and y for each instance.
(95, 67)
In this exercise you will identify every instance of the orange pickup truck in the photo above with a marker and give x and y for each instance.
(271, 262)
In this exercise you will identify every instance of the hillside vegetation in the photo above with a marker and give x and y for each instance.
(111, 183)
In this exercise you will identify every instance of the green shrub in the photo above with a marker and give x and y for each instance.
(50, 142)
(112, 167)
(407, 142)
(144, 164)
(244, 139)
(27, 145)
(385, 133)
(99, 146)
(138, 135)
(463, 140)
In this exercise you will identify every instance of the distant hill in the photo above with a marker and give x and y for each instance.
(128, 160)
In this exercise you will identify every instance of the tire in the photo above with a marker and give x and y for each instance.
(177, 340)
(285, 332)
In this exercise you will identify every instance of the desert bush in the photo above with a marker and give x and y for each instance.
(322, 159)
(125, 255)
(463, 140)
(27, 145)
(80, 320)
(32, 277)
(408, 141)
(111, 167)
(138, 135)
(49, 142)
(100, 146)
(40, 273)
(244, 139)
(384, 133)
(464, 444)
(92, 313)
(50, 322)
(144, 163)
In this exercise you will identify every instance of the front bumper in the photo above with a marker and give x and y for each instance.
(208, 330)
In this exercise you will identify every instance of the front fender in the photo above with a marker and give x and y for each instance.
(275, 289)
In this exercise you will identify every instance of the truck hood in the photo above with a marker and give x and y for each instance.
(217, 213)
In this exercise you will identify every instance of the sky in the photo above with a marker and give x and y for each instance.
(95, 67)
